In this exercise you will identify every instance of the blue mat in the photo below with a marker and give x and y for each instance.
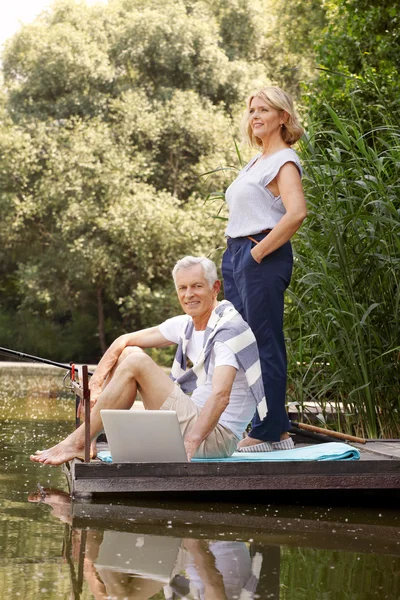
(328, 451)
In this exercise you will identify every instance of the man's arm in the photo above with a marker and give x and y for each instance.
(145, 338)
(215, 405)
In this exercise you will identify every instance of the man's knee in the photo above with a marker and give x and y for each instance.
(128, 351)
(134, 360)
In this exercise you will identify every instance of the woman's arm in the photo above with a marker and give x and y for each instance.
(288, 186)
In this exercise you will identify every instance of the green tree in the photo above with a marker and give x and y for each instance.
(358, 59)
(112, 114)
(96, 234)
(59, 65)
(172, 142)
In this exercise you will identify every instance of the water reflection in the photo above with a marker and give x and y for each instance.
(126, 565)
(140, 566)
(145, 553)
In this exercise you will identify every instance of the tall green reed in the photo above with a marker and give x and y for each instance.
(342, 314)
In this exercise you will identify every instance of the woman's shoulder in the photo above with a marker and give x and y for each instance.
(284, 156)
(279, 157)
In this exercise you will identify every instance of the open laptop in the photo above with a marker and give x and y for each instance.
(143, 435)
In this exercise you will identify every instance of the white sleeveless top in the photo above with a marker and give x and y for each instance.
(253, 207)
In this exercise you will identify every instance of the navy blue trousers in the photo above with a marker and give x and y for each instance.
(257, 291)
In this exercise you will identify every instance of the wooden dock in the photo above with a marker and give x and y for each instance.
(378, 469)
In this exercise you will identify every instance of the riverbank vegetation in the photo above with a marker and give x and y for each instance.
(343, 305)
(109, 117)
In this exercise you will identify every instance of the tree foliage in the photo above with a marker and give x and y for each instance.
(358, 59)
(111, 115)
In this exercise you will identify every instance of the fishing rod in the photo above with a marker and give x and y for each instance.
(39, 359)
(317, 432)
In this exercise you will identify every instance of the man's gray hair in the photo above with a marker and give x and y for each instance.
(209, 268)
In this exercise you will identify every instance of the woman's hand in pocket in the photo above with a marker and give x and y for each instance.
(255, 253)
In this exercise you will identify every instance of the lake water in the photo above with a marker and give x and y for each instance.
(168, 548)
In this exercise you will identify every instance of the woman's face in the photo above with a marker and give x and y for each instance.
(265, 121)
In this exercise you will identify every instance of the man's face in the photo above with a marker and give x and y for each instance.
(195, 295)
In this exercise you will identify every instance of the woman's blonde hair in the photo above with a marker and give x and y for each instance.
(291, 130)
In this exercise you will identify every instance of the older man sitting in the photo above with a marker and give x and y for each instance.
(224, 382)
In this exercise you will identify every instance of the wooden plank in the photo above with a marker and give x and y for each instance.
(208, 484)
(388, 450)
(101, 470)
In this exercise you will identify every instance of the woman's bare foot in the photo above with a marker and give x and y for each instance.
(59, 454)
(249, 441)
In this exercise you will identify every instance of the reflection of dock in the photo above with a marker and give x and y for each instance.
(378, 469)
(271, 530)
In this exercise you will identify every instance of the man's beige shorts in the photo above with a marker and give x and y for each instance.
(220, 443)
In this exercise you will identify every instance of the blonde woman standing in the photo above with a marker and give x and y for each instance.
(266, 207)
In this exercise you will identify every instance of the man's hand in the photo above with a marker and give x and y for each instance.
(190, 447)
(95, 390)
(215, 405)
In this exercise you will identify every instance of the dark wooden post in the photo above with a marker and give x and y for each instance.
(77, 394)
(86, 404)
(76, 578)
(77, 403)
(82, 551)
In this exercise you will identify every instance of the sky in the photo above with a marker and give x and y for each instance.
(13, 12)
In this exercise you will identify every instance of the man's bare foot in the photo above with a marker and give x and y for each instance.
(93, 448)
(59, 454)
(59, 501)
(50, 496)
